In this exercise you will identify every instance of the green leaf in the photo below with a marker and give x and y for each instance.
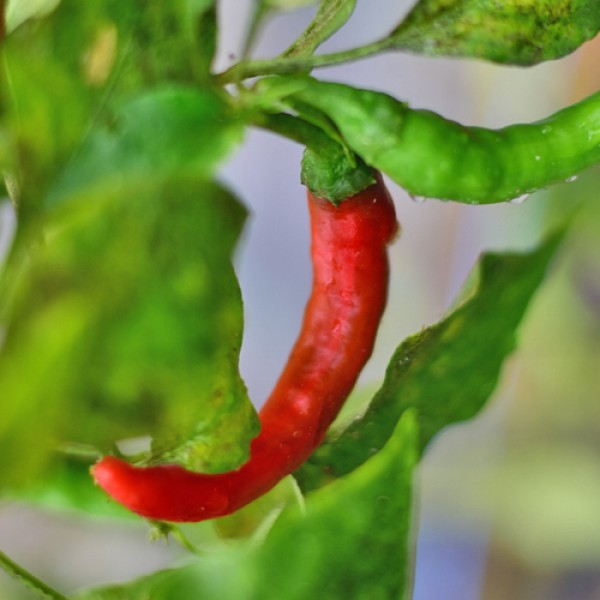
(362, 520)
(127, 321)
(447, 371)
(522, 32)
(64, 71)
(46, 100)
(131, 188)
(351, 541)
(172, 40)
(171, 130)
(145, 588)
(519, 32)
(206, 34)
(330, 17)
(65, 486)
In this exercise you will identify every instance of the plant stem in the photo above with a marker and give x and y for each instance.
(329, 168)
(179, 536)
(29, 580)
(279, 66)
(291, 127)
(80, 451)
(256, 23)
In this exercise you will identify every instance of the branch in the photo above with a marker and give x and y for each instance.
(29, 580)
(280, 66)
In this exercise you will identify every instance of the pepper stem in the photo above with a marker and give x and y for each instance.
(29, 580)
(329, 170)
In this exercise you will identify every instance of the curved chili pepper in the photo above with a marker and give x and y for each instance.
(350, 279)
(433, 157)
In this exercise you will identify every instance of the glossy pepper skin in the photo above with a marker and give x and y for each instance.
(350, 280)
(433, 157)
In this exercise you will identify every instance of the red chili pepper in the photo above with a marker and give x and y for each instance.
(350, 279)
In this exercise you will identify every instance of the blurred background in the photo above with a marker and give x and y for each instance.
(508, 505)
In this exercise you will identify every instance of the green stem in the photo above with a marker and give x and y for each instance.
(294, 128)
(179, 536)
(328, 169)
(29, 580)
(80, 451)
(280, 66)
(163, 531)
(258, 18)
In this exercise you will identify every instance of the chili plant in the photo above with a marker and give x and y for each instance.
(121, 312)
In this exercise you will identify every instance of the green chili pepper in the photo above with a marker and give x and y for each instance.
(434, 157)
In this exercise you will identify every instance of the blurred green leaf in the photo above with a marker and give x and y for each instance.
(330, 17)
(130, 215)
(125, 321)
(447, 371)
(171, 40)
(62, 72)
(518, 32)
(206, 27)
(351, 541)
(65, 486)
(145, 588)
(46, 105)
(171, 130)
(365, 515)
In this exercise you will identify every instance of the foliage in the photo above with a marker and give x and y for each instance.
(120, 310)
(507, 31)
